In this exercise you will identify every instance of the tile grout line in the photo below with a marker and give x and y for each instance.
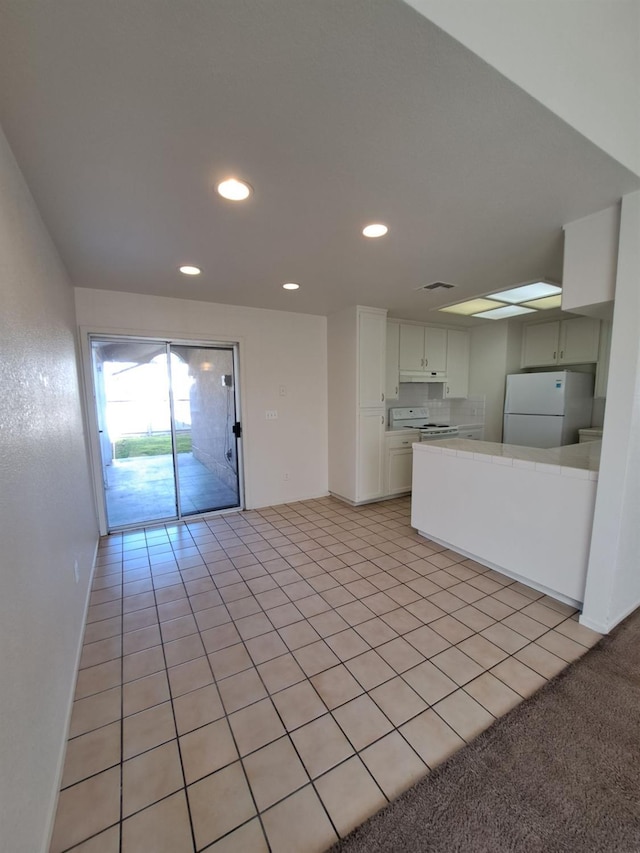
(226, 718)
(277, 534)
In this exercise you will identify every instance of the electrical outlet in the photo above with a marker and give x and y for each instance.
(283, 390)
(271, 415)
(285, 476)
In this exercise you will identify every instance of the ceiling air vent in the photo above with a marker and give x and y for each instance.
(436, 285)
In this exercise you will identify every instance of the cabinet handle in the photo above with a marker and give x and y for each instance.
(396, 390)
(382, 419)
(422, 362)
(447, 389)
(426, 362)
(382, 398)
(554, 354)
(405, 442)
(561, 353)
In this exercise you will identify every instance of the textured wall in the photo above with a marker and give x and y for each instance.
(613, 579)
(46, 515)
(279, 350)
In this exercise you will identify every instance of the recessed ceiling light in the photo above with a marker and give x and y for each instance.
(376, 229)
(505, 311)
(189, 270)
(545, 302)
(234, 190)
(472, 306)
(290, 285)
(535, 290)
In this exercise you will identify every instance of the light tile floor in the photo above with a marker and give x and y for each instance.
(267, 680)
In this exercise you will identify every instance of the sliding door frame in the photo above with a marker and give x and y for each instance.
(91, 417)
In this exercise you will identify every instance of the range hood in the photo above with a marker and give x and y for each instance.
(422, 376)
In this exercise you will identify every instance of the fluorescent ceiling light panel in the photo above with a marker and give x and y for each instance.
(545, 302)
(187, 269)
(526, 292)
(505, 311)
(291, 285)
(472, 306)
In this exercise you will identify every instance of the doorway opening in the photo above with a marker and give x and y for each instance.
(168, 429)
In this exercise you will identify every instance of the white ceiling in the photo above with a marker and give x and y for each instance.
(124, 115)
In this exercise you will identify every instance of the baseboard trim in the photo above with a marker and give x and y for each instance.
(565, 599)
(292, 500)
(63, 746)
(610, 624)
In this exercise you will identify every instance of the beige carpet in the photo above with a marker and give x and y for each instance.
(561, 772)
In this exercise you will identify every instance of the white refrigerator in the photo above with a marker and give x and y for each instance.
(547, 409)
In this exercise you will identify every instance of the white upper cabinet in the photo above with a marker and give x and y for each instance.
(392, 384)
(562, 342)
(457, 384)
(372, 335)
(423, 349)
(579, 340)
(435, 350)
(411, 348)
(540, 344)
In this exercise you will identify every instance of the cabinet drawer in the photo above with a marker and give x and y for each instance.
(473, 434)
(404, 439)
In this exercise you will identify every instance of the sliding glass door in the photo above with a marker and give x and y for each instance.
(166, 415)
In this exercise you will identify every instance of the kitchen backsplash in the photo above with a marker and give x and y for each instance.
(468, 411)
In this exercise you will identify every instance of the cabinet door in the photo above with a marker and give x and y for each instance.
(435, 350)
(372, 335)
(457, 364)
(540, 344)
(392, 386)
(400, 469)
(579, 341)
(411, 347)
(369, 476)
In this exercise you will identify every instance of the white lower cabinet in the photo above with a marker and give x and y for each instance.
(370, 468)
(399, 463)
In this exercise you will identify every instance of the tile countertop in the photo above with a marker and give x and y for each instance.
(584, 457)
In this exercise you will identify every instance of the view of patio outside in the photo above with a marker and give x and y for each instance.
(138, 462)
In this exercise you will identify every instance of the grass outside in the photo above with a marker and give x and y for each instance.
(151, 445)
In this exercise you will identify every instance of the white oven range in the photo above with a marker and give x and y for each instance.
(418, 418)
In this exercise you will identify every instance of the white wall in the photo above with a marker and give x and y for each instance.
(494, 352)
(47, 518)
(580, 58)
(276, 348)
(613, 579)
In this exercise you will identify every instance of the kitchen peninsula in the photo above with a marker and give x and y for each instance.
(523, 511)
